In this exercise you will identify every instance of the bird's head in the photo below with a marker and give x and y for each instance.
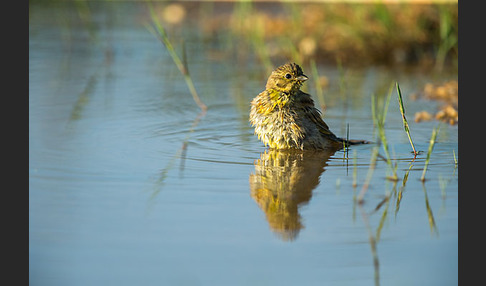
(286, 78)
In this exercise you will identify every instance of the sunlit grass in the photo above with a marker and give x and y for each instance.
(448, 37)
(158, 30)
(319, 91)
(404, 118)
(379, 119)
(354, 32)
(429, 151)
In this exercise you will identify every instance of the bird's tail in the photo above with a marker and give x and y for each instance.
(352, 141)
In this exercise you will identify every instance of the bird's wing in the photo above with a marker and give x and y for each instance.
(314, 114)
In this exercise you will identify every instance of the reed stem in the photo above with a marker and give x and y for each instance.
(405, 123)
(429, 151)
(319, 92)
(181, 64)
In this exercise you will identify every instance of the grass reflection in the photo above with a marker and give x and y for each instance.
(180, 153)
(83, 99)
(373, 245)
(430, 215)
(400, 191)
(282, 182)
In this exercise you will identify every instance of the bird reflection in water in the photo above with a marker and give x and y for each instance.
(282, 182)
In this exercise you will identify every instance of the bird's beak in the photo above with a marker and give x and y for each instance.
(302, 77)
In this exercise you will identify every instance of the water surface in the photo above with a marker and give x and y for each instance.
(130, 184)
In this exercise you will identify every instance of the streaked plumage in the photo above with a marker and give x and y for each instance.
(284, 117)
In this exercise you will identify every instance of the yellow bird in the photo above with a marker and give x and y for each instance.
(284, 117)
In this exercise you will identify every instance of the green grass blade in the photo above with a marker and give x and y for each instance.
(405, 123)
(429, 151)
(160, 32)
(319, 92)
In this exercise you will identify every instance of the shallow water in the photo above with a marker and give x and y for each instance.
(130, 184)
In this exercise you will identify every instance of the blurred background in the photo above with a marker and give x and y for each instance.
(144, 170)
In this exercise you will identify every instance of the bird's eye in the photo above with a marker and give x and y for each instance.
(288, 76)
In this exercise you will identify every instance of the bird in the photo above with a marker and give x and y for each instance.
(283, 182)
(285, 117)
